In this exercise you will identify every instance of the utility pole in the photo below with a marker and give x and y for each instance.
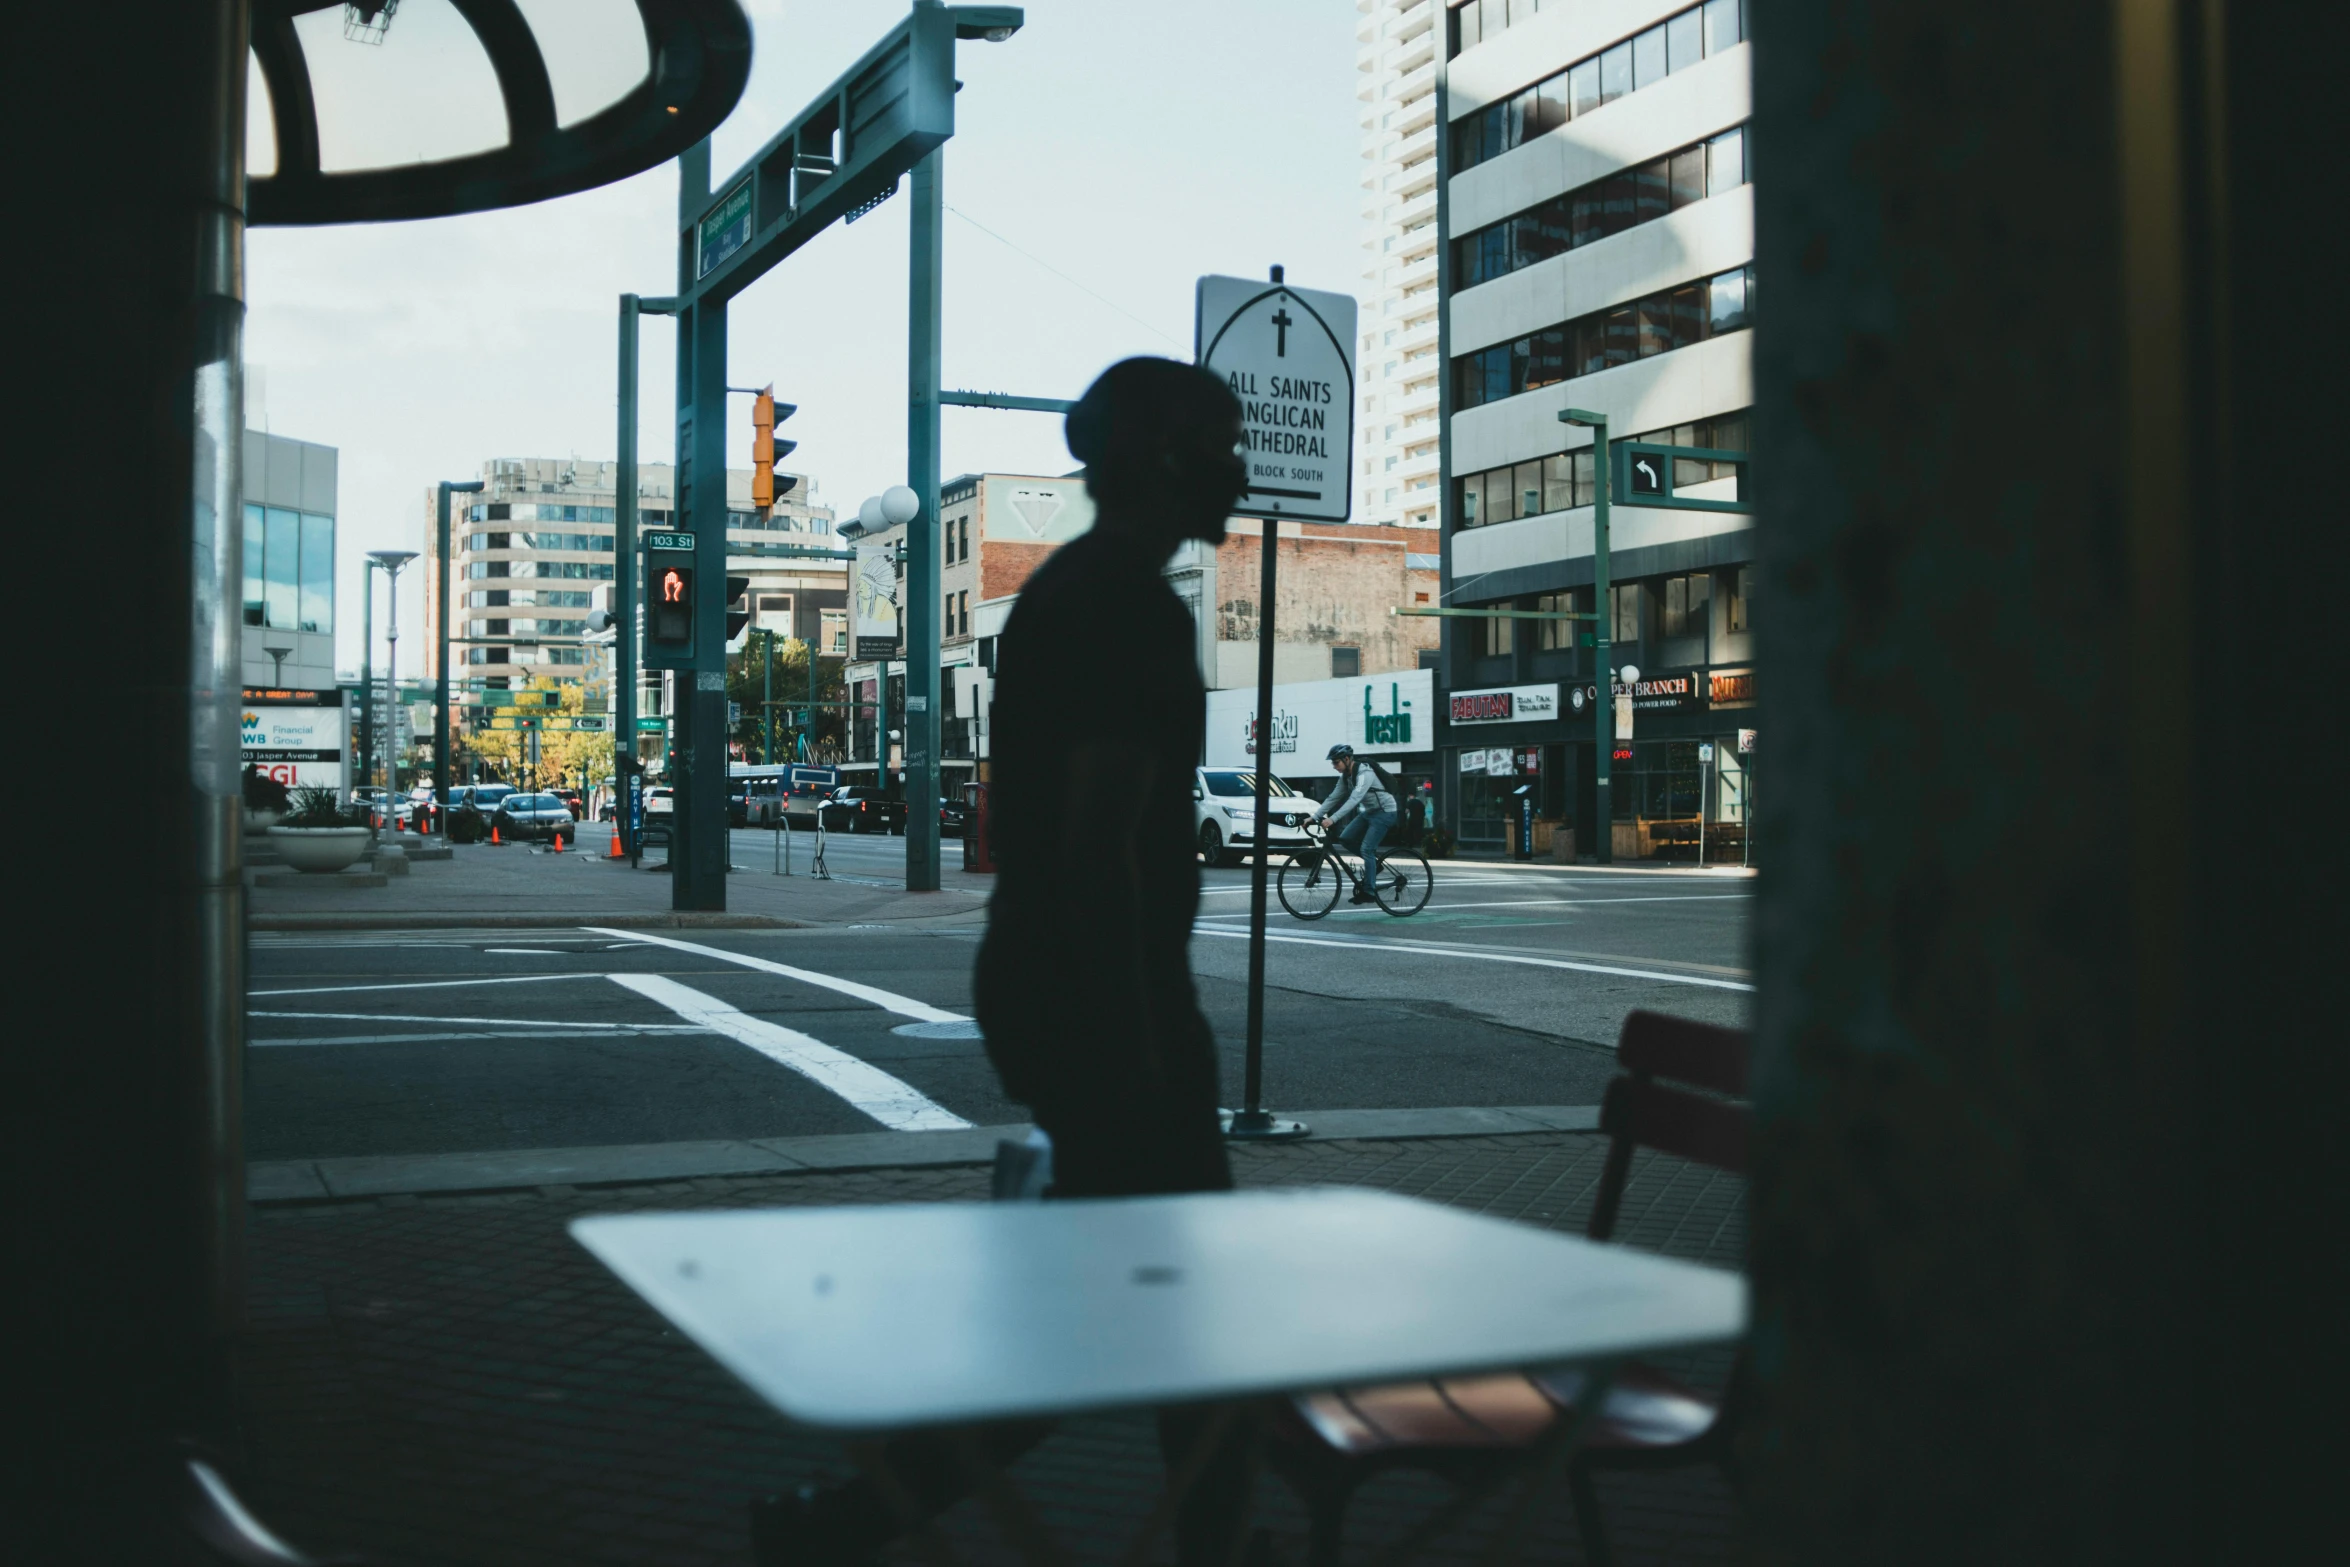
(440, 721)
(624, 602)
(767, 704)
(366, 673)
(923, 611)
(1602, 653)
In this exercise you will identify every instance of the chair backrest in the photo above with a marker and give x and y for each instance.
(1647, 1107)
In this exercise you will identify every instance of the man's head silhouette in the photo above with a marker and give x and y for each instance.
(1160, 441)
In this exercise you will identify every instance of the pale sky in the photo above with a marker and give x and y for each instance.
(1131, 145)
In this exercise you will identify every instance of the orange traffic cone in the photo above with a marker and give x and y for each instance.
(615, 843)
(558, 840)
(493, 832)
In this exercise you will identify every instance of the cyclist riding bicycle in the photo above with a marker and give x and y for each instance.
(1363, 794)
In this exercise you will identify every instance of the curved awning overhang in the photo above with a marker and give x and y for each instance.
(701, 58)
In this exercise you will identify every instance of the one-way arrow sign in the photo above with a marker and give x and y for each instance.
(1648, 476)
(1288, 355)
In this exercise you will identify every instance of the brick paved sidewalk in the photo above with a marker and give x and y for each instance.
(452, 1380)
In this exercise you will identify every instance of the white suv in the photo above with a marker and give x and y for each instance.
(1224, 813)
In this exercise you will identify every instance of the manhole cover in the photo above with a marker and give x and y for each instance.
(960, 1028)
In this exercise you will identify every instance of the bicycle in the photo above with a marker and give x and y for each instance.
(1310, 879)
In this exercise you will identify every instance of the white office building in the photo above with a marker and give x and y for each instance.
(1399, 49)
(1598, 254)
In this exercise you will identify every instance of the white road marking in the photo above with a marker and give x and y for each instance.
(526, 952)
(618, 1030)
(427, 984)
(1437, 950)
(1558, 903)
(887, 1000)
(895, 1104)
(502, 1022)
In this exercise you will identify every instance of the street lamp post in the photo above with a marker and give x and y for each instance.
(1602, 626)
(277, 652)
(391, 561)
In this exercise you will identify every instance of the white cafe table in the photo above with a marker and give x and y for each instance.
(869, 1321)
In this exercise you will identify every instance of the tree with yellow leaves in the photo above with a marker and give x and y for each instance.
(563, 754)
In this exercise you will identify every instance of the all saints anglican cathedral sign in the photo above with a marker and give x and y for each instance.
(1288, 355)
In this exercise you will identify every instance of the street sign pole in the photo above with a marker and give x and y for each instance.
(1603, 816)
(624, 611)
(923, 611)
(1287, 354)
(698, 836)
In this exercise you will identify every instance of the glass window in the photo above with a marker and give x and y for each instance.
(1619, 197)
(1648, 58)
(1558, 482)
(1528, 483)
(1550, 108)
(1514, 368)
(255, 531)
(1727, 310)
(1688, 176)
(1655, 327)
(1583, 88)
(1626, 599)
(1684, 39)
(1688, 312)
(318, 573)
(1501, 636)
(1547, 364)
(1615, 73)
(1512, 112)
(1546, 230)
(1472, 501)
(1686, 602)
(1552, 635)
(1621, 340)
(1493, 251)
(1723, 25)
(1652, 190)
(1725, 158)
(281, 567)
(1741, 606)
(1500, 504)
(1586, 481)
(1584, 215)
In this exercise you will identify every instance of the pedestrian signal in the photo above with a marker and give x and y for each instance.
(672, 592)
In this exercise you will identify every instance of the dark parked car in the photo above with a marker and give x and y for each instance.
(953, 815)
(485, 797)
(854, 809)
(533, 817)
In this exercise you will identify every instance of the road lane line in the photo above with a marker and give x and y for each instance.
(1434, 950)
(620, 1031)
(428, 984)
(896, 1104)
(501, 1022)
(887, 1000)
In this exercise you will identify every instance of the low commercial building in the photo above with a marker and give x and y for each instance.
(287, 641)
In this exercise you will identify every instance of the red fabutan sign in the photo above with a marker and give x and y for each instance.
(1479, 706)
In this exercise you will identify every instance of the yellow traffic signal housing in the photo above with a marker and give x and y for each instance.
(763, 449)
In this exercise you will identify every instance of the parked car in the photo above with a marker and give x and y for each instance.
(953, 818)
(1224, 814)
(425, 813)
(533, 817)
(485, 797)
(660, 801)
(852, 808)
(738, 802)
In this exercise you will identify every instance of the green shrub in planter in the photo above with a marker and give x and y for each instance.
(263, 793)
(316, 806)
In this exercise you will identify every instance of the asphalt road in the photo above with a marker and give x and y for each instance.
(1507, 989)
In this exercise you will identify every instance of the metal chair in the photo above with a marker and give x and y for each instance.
(1480, 1432)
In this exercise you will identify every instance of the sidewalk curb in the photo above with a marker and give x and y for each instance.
(350, 1180)
(549, 920)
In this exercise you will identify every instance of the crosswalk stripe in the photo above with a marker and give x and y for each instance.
(894, 1103)
(887, 1000)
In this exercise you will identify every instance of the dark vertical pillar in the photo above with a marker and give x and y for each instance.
(698, 856)
(125, 1199)
(924, 536)
(2045, 1104)
(624, 592)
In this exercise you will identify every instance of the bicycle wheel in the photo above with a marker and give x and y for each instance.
(1405, 881)
(1308, 885)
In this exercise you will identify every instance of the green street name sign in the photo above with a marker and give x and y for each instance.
(669, 541)
(726, 230)
(651, 725)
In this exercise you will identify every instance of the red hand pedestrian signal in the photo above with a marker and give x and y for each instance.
(669, 618)
(673, 586)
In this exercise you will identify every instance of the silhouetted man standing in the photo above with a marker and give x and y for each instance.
(1083, 983)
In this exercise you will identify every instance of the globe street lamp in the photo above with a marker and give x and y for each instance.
(391, 561)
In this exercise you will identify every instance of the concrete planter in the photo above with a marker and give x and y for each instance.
(322, 849)
(262, 821)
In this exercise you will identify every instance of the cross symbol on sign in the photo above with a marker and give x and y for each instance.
(1281, 325)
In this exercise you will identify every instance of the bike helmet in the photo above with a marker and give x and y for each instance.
(1338, 751)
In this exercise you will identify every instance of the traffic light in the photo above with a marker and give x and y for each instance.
(670, 602)
(766, 413)
(737, 589)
